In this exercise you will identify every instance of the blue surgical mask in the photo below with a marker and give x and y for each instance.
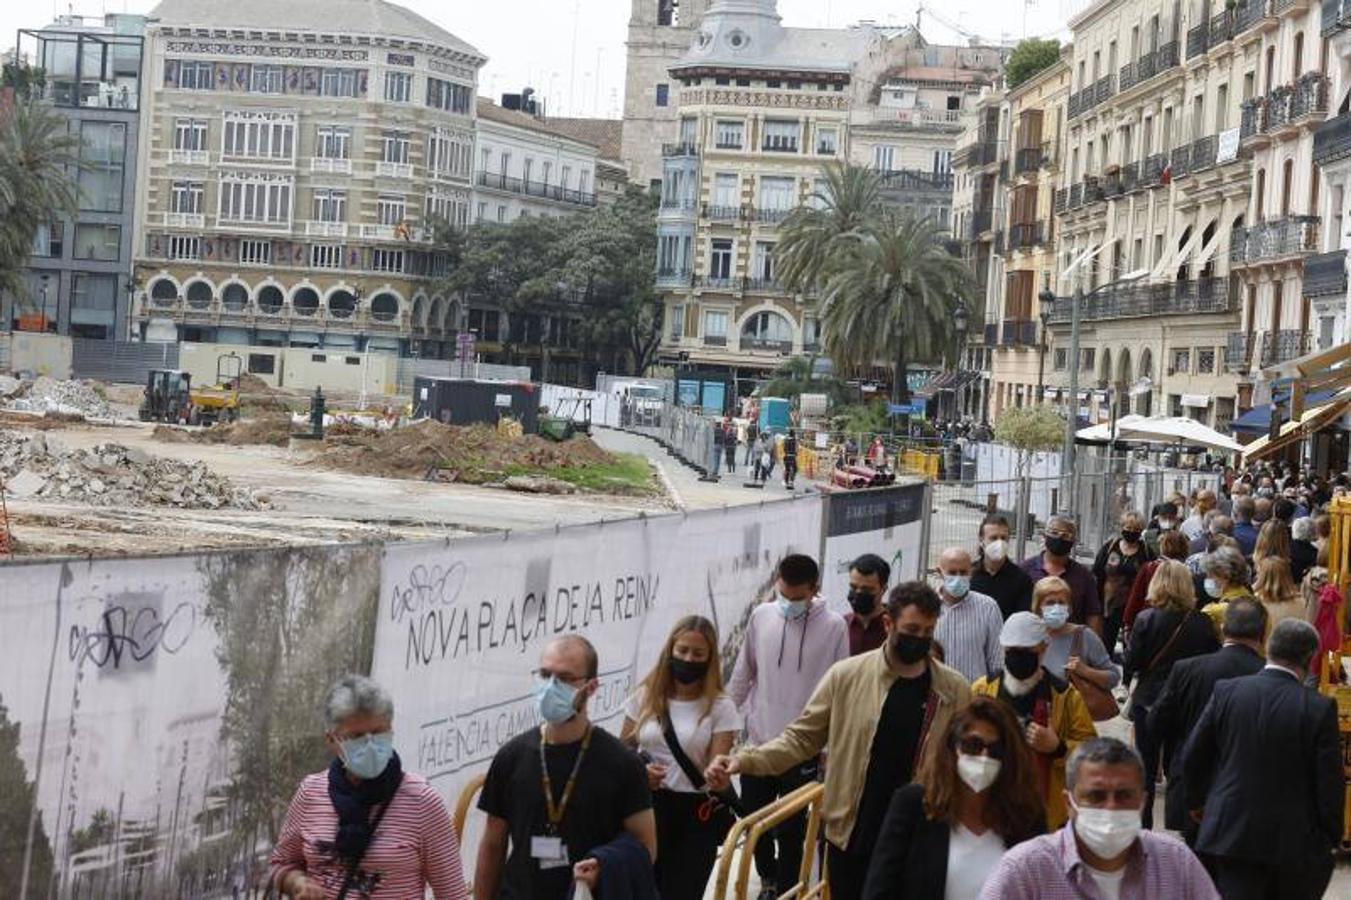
(1213, 588)
(956, 585)
(367, 756)
(792, 609)
(555, 700)
(1055, 615)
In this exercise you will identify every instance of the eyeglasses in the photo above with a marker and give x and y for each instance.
(546, 674)
(975, 746)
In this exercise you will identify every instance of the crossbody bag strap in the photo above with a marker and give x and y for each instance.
(1171, 641)
(686, 764)
(356, 863)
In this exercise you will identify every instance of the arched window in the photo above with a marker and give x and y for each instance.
(767, 331)
(163, 292)
(384, 307)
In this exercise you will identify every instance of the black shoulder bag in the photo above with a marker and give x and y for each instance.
(356, 863)
(722, 808)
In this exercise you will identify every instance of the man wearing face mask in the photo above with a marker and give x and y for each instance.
(1263, 772)
(874, 714)
(868, 577)
(1104, 851)
(790, 644)
(1051, 711)
(970, 624)
(556, 792)
(1057, 559)
(997, 576)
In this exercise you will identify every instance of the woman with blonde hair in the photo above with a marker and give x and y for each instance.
(1169, 630)
(1071, 650)
(679, 720)
(1276, 589)
(1272, 540)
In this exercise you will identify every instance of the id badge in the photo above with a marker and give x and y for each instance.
(549, 851)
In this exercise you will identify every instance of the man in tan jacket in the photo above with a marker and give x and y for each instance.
(873, 714)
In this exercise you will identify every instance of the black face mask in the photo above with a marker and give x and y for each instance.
(687, 672)
(1021, 662)
(910, 648)
(1059, 546)
(863, 602)
(1130, 537)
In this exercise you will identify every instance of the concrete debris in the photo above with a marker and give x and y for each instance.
(113, 475)
(538, 484)
(9, 387)
(70, 398)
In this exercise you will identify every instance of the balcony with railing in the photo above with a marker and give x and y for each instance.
(916, 180)
(1018, 333)
(991, 334)
(1336, 16)
(1283, 346)
(777, 144)
(386, 169)
(762, 285)
(189, 157)
(715, 212)
(982, 222)
(1238, 351)
(1275, 241)
(1249, 13)
(1137, 301)
(330, 165)
(1027, 160)
(1325, 275)
(1285, 108)
(981, 153)
(1026, 235)
(326, 229)
(674, 278)
(677, 150)
(717, 282)
(769, 216)
(184, 220)
(765, 345)
(1332, 140)
(1060, 200)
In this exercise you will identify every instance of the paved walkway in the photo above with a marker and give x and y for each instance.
(684, 482)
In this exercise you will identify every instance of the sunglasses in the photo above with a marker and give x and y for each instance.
(975, 746)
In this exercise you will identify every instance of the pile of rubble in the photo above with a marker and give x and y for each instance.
(67, 398)
(112, 475)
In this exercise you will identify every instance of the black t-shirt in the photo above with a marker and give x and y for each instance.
(1010, 586)
(891, 763)
(611, 786)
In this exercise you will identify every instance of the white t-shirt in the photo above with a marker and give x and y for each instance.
(971, 859)
(1109, 883)
(693, 729)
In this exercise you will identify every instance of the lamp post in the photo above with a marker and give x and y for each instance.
(959, 321)
(1047, 297)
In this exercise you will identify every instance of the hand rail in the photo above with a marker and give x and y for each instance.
(750, 830)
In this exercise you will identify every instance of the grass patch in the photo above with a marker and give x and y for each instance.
(627, 474)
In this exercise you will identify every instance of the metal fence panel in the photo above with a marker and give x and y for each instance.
(123, 362)
(410, 369)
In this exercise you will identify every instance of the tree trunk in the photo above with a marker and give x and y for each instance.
(900, 385)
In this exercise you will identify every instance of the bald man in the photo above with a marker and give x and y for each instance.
(969, 624)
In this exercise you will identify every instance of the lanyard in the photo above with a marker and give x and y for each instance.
(555, 812)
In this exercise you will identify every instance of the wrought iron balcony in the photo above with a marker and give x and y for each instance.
(1325, 274)
(1152, 169)
(981, 153)
(1286, 106)
(991, 333)
(1336, 16)
(717, 282)
(762, 286)
(683, 148)
(1136, 301)
(1179, 161)
(1332, 140)
(1130, 177)
(1197, 40)
(769, 216)
(1093, 190)
(1019, 333)
(916, 180)
(1283, 346)
(1221, 29)
(1076, 198)
(1060, 200)
(675, 278)
(1129, 76)
(982, 221)
(717, 213)
(1273, 241)
(765, 345)
(1024, 235)
(1254, 118)
(1248, 13)
(1027, 159)
(1204, 152)
(1238, 352)
(1104, 88)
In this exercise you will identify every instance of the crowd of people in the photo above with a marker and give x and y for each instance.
(953, 725)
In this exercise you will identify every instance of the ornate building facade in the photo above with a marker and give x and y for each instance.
(295, 160)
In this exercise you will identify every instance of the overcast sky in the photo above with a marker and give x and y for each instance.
(560, 53)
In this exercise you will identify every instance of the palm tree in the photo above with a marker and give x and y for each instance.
(891, 294)
(813, 238)
(38, 157)
(797, 376)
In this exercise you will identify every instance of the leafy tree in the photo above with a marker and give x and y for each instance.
(1030, 57)
(37, 155)
(27, 81)
(798, 376)
(100, 830)
(891, 295)
(1029, 429)
(19, 798)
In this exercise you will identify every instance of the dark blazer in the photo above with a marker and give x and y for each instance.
(1179, 707)
(910, 859)
(1265, 761)
(1153, 629)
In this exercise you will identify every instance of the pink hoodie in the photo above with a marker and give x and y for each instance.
(780, 664)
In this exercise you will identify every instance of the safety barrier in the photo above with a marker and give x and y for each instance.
(750, 830)
(919, 462)
(466, 803)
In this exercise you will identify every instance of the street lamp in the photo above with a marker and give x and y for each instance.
(1047, 297)
(959, 321)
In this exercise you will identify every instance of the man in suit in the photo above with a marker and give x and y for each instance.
(1263, 772)
(1187, 691)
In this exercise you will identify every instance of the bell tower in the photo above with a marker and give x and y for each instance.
(660, 31)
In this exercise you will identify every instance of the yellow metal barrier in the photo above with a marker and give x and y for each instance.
(749, 831)
(1341, 693)
(917, 462)
(465, 803)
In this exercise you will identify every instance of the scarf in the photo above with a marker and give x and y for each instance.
(354, 803)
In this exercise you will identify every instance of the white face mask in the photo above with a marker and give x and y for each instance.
(977, 772)
(996, 550)
(1107, 832)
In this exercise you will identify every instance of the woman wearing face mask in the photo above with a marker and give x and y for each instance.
(1070, 649)
(1119, 560)
(972, 800)
(1168, 631)
(364, 822)
(680, 704)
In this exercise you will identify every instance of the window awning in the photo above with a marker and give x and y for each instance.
(1312, 421)
(1171, 261)
(1258, 419)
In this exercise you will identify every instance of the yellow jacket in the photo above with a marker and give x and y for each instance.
(842, 717)
(1070, 720)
